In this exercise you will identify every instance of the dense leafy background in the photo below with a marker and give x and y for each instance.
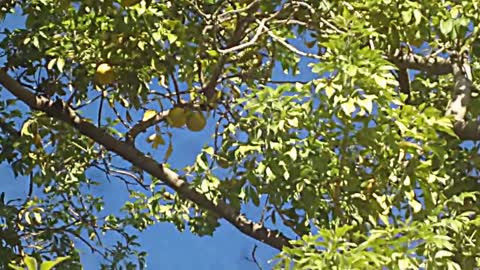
(363, 175)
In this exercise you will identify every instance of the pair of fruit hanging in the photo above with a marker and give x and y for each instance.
(177, 117)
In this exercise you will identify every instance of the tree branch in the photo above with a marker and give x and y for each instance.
(404, 82)
(61, 111)
(260, 28)
(290, 47)
(462, 75)
(144, 125)
(462, 88)
(467, 130)
(431, 65)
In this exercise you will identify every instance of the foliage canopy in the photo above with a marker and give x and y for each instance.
(365, 149)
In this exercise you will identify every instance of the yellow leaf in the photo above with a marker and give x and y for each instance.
(148, 115)
(348, 107)
(416, 206)
(169, 152)
(156, 140)
(37, 217)
(329, 91)
(27, 219)
(381, 81)
(366, 104)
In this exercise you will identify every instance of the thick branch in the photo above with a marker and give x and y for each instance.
(462, 88)
(404, 83)
(431, 65)
(462, 75)
(144, 125)
(61, 111)
(467, 130)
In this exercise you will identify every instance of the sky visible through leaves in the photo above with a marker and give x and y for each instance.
(167, 248)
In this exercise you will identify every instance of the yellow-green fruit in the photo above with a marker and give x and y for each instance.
(104, 74)
(129, 3)
(177, 117)
(196, 121)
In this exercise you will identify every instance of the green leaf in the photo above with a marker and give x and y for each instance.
(255, 198)
(172, 38)
(366, 104)
(48, 265)
(340, 232)
(15, 267)
(446, 26)
(292, 122)
(169, 151)
(381, 81)
(351, 70)
(416, 206)
(25, 131)
(348, 107)
(51, 63)
(407, 16)
(453, 266)
(269, 173)
(148, 115)
(212, 53)
(293, 153)
(329, 91)
(60, 64)
(417, 14)
(30, 262)
(156, 140)
(442, 254)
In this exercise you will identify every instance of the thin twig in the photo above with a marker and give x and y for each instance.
(30, 187)
(291, 47)
(251, 42)
(99, 117)
(177, 89)
(227, 15)
(285, 221)
(254, 257)
(115, 111)
(142, 126)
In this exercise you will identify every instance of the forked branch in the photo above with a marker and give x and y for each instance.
(61, 111)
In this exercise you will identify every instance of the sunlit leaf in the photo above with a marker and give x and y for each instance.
(148, 115)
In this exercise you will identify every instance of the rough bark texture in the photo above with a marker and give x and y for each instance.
(431, 65)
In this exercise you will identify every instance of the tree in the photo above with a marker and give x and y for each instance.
(370, 162)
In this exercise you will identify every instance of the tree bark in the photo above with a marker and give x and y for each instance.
(61, 111)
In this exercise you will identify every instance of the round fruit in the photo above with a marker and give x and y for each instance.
(129, 3)
(104, 74)
(196, 121)
(177, 117)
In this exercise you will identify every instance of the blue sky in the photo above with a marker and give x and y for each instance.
(168, 248)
